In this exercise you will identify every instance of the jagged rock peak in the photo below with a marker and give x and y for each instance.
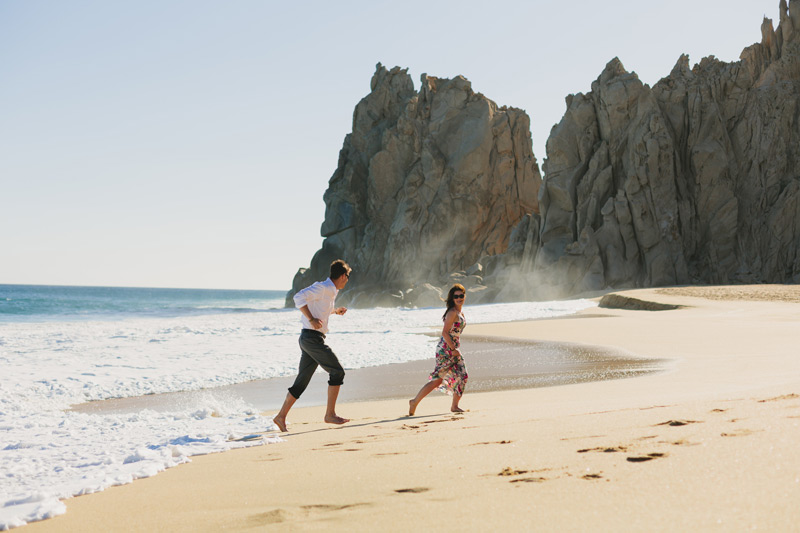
(613, 69)
(681, 68)
(767, 33)
(384, 76)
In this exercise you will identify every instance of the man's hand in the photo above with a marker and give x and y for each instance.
(340, 310)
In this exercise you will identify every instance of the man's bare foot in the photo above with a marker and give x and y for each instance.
(456, 410)
(281, 423)
(412, 408)
(336, 419)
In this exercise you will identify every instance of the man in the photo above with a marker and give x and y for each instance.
(316, 305)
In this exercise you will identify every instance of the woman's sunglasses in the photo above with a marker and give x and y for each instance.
(458, 296)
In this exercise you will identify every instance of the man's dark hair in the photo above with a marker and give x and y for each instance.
(339, 268)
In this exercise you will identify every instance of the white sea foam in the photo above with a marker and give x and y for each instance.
(48, 453)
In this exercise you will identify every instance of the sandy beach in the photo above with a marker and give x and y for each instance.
(710, 443)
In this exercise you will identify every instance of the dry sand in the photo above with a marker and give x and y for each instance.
(710, 444)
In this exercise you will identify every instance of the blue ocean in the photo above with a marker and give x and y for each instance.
(47, 303)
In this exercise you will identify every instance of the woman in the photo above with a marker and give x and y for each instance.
(450, 371)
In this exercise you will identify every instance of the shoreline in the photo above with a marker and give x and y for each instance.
(709, 444)
(493, 363)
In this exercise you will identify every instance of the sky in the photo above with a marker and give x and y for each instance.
(166, 143)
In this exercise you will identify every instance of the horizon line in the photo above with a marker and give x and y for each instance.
(135, 287)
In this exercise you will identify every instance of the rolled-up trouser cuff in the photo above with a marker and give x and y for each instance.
(314, 352)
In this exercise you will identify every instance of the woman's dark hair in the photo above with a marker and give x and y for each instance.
(451, 302)
(339, 268)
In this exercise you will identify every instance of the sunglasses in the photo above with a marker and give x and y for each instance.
(458, 296)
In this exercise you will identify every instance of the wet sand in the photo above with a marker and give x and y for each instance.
(493, 364)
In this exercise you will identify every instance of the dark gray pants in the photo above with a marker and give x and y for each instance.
(314, 353)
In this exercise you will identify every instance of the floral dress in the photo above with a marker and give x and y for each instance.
(450, 368)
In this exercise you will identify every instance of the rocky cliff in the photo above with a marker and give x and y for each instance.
(693, 180)
(428, 182)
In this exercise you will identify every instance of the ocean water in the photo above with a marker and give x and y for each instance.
(62, 346)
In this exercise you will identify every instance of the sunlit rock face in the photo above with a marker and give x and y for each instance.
(428, 182)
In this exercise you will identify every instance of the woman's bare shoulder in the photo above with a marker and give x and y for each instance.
(452, 313)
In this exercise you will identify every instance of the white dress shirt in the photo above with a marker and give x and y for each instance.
(319, 298)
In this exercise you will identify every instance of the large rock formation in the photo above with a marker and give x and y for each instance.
(428, 182)
(695, 180)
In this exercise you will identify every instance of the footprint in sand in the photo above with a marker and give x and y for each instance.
(442, 420)
(605, 449)
(413, 490)
(643, 458)
(272, 517)
(683, 442)
(779, 398)
(590, 477)
(508, 471)
(331, 507)
(495, 442)
(528, 480)
(737, 433)
(676, 423)
(330, 444)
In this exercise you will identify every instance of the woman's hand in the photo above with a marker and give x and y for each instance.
(316, 323)
(340, 310)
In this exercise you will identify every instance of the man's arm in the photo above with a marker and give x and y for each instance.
(309, 294)
(316, 323)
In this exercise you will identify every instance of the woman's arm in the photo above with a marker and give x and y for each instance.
(449, 320)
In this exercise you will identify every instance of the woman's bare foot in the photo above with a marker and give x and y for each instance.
(334, 419)
(412, 407)
(456, 410)
(280, 422)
